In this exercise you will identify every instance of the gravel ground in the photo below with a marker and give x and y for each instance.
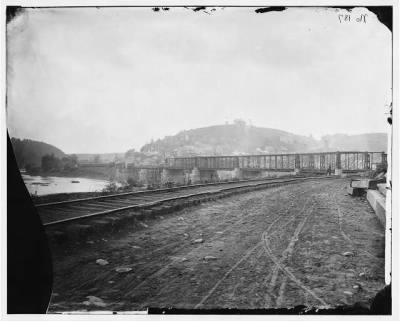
(303, 244)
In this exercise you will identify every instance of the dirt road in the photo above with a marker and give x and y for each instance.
(307, 243)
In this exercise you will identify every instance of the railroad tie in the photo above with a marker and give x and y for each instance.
(114, 220)
(56, 237)
(161, 209)
(175, 206)
(78, 232)
(167, 209)
(100, 226)
(146, 213)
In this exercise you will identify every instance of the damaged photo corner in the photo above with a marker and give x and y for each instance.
(199, 160)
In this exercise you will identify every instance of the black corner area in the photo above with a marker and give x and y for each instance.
(29, 266)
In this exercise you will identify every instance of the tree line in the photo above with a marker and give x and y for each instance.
(53, 163)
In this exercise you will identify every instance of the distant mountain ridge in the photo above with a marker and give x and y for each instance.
(372, 142)
(240, 138)
(230, 139)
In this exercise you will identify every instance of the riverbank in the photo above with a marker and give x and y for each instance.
(42, 199)
(60, 197)
(100, 173)
(47, 185)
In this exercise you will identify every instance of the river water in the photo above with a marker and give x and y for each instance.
(41, 185)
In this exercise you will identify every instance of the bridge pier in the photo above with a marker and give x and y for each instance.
(187, 180)
(226, 174)
(165, 176)
(203, 175)
(338, 171)
(261, 173)
(209, 175)
(143, 176)
(237, 173)
(267, 173)
(252, 174)
(178, 176)
(195, 176)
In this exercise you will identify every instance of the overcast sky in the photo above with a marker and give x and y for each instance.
(111, 79)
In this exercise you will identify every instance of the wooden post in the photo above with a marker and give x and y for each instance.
(321, 161)
(338, 160)
(367, 160)
(357, 161)
(384, 159)
(297, 161)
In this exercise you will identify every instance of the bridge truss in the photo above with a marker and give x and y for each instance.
(347, 161)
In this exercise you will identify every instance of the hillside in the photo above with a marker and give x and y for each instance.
(231, 139)
(374, 142)
(29, 152)
(239, 138)
(100, 158)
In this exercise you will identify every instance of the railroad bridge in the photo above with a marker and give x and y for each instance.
(212, 168)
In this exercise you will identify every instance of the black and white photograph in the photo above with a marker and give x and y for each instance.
(179, 159)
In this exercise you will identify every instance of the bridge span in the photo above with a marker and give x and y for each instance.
(186, 170)
(348, 161)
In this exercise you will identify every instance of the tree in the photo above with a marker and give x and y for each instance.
(50, 162)
(240, 122)
(111, 187)
(69, 162)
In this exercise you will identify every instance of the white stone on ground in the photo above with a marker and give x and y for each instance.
(94, 300)
(101, 262)
(123, 269)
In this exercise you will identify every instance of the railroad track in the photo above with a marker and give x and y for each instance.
(77, 218)
(65, 211)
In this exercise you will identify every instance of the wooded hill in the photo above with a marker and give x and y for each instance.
(239, 138)
(29, 152)
(231, 139)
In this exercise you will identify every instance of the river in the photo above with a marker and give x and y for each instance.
(44, 185)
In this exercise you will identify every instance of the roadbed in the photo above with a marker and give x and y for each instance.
(303, 244)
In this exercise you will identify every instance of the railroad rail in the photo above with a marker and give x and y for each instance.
(61, 213)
